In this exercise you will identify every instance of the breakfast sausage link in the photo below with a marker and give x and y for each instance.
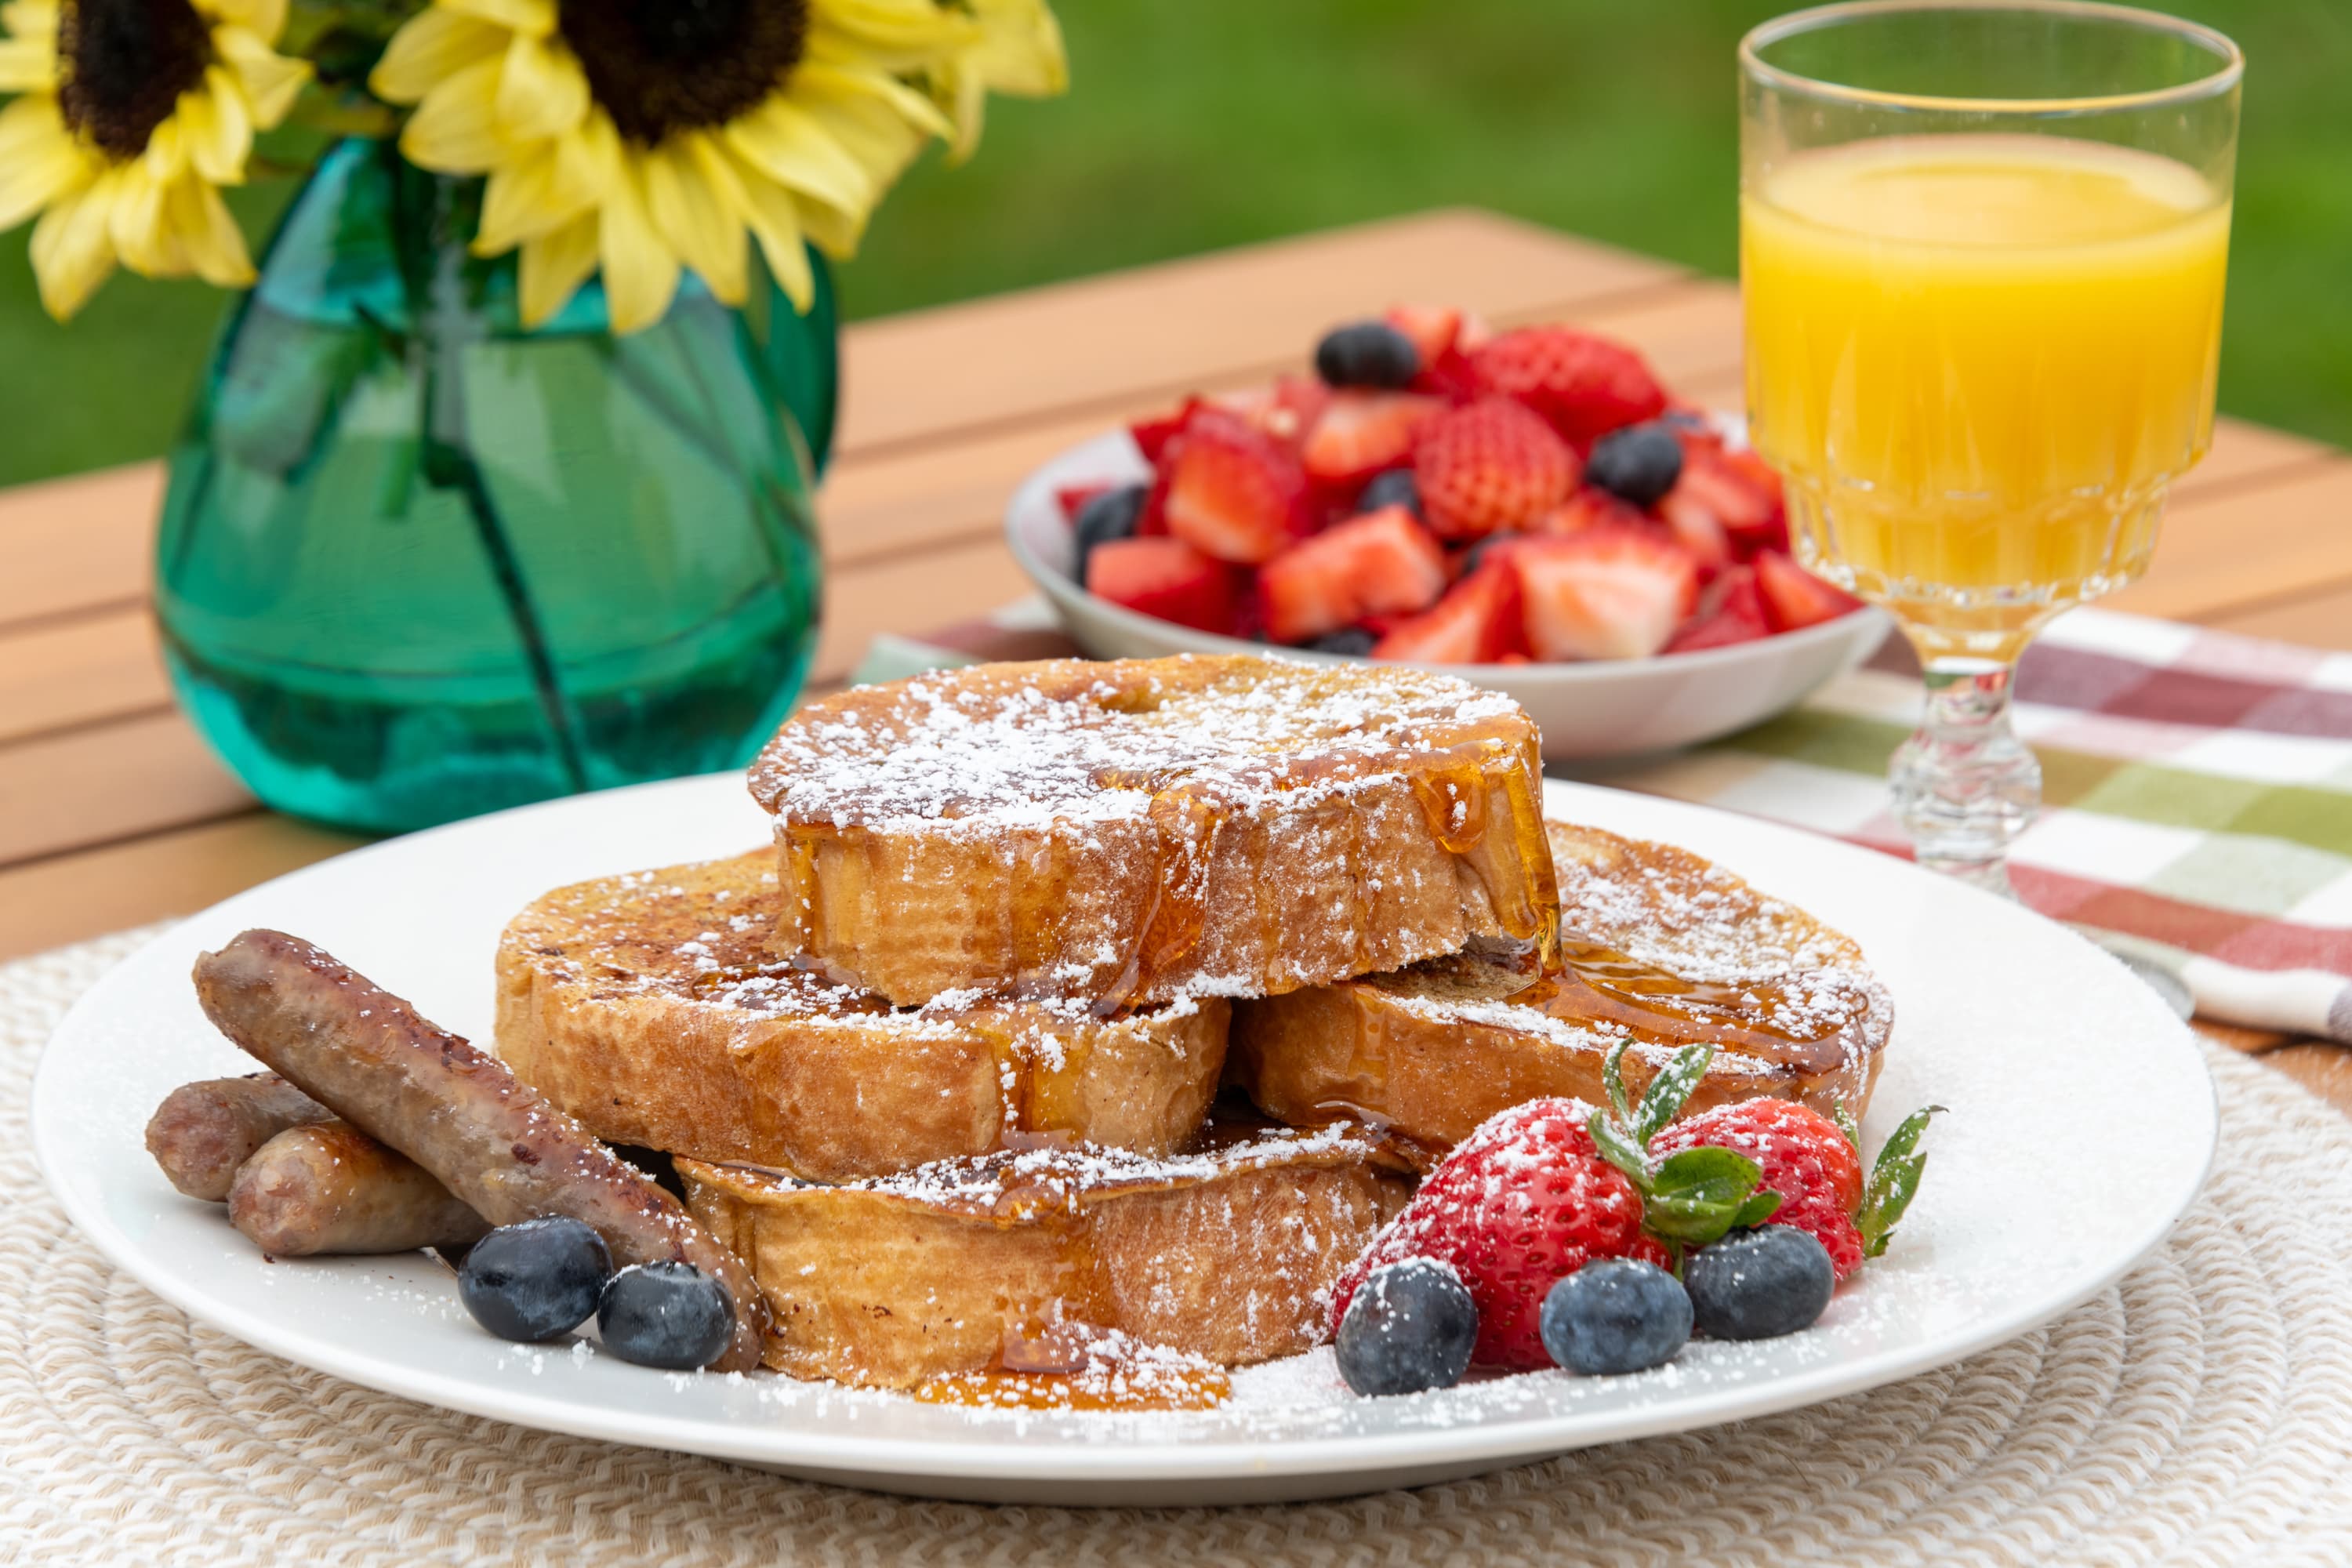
(492, 1140)
(204, 1132)
(330, 1187)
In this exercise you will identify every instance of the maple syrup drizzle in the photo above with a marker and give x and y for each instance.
(1598, 983)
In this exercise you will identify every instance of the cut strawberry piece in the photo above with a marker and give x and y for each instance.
(1590, 507)
(1233, 492)
(1381, 563)
(1794, 598)
(1293, 409)
(1698, 528)
(1169, 579)
(1489, 467)
(1361, 433)
(1738, 491)
(1586, 386)
(1073, 498)
(1477, 622)
(1607, 592)
(1151, 436)
(1730, 611)
(1433, 328)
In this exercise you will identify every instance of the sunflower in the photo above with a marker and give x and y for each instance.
(133, 114)
(1015, 47)
(644, 137)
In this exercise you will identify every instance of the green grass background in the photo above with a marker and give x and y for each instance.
(1210, 122)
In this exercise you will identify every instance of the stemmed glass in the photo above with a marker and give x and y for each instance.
(1982, 256)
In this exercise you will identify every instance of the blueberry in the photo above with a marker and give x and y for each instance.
(1354, 641)
(669, 1315)
(1394, 488)
(1110, 515)
(1639, 463)
(1367, 353)
(1615, 1315)
(1410, 1327)
(1758, 1284)
(536, 1279)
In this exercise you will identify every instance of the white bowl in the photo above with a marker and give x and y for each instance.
(1607, 708)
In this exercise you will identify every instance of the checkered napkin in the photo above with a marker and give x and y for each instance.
(2197, 791)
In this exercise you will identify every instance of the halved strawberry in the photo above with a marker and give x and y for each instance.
(1696, 528)
(1167, 578)
(1431, 328)
(1381, 563)
(1794, 598)
(1294, 408)
(1585, 386)
(1730, 611)
(1234, 491)
(1607, 592)
(1477, 622)
(1359, 434)
(1737, 489)
(1487, 466)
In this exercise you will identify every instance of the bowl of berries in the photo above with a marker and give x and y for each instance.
(1529, 510)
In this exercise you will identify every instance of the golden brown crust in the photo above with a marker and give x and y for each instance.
(1227, 1256)
(1432, 1051)
(648, 1006)
(1140, 830)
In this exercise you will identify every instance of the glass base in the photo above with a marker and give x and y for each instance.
(1964, 785)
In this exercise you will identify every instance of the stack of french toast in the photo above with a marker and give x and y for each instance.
(1136, 994)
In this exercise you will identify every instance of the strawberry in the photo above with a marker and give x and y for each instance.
(1167, 578)
(1431, 328)
(1490, 466)
(1586, 386)
(1297, 403)
(1697, 529)
(1590, 507)
(1233, 492)
(1477, 622)
(1734, 488)
(1151, 436)
(1794, 598)
(1606, 593)
(1730, 611)
(1358, 434)
(1519, 1205)
(1381, 563)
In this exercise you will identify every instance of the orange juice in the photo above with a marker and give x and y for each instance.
(1980, 361)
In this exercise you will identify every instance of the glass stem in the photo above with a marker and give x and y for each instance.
(1964, 784)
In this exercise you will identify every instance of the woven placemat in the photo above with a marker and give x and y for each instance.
(2200, 1413)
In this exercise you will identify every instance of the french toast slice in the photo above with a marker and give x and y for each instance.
(1656, 943)
(1131, 830)
(1227, 1254)
(650, 1006)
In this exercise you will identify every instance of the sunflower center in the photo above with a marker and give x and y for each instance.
(125, 64)
(660, 66)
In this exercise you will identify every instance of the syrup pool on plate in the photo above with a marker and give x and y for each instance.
(1980, 360)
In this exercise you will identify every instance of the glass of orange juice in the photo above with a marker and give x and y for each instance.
(1982, 258)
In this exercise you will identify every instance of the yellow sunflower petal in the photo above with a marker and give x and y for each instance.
(431, 46)
(966, 97)
(1020, 49)
(272, 81)
(640, 272)
(72, 250)
(202, 226)
(895, 34)
(542, 191)
(791, 146)
(267, 18)
(29, 65)
(41, 162)
(31, 19)
(219, 132)
(831, 230)
(542, 91)
(696, 203)
(866, 126)
(455, 130)
(141, 236)
(554, 267)
(774, 219)
(536, 18)
(851, 80)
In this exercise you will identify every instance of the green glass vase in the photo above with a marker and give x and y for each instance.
(417, 563)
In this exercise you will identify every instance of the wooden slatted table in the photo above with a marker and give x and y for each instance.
(113, 812)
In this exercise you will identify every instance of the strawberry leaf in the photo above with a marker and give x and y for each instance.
(1894, 1181)
(1620, 1151)
(1759, 1208)
(1612, 1079)
(1698, 1195)
(1669, 1090)
(1843, 1115)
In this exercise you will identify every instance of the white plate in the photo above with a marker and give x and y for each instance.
(2016, 1024)
(1607, 708)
